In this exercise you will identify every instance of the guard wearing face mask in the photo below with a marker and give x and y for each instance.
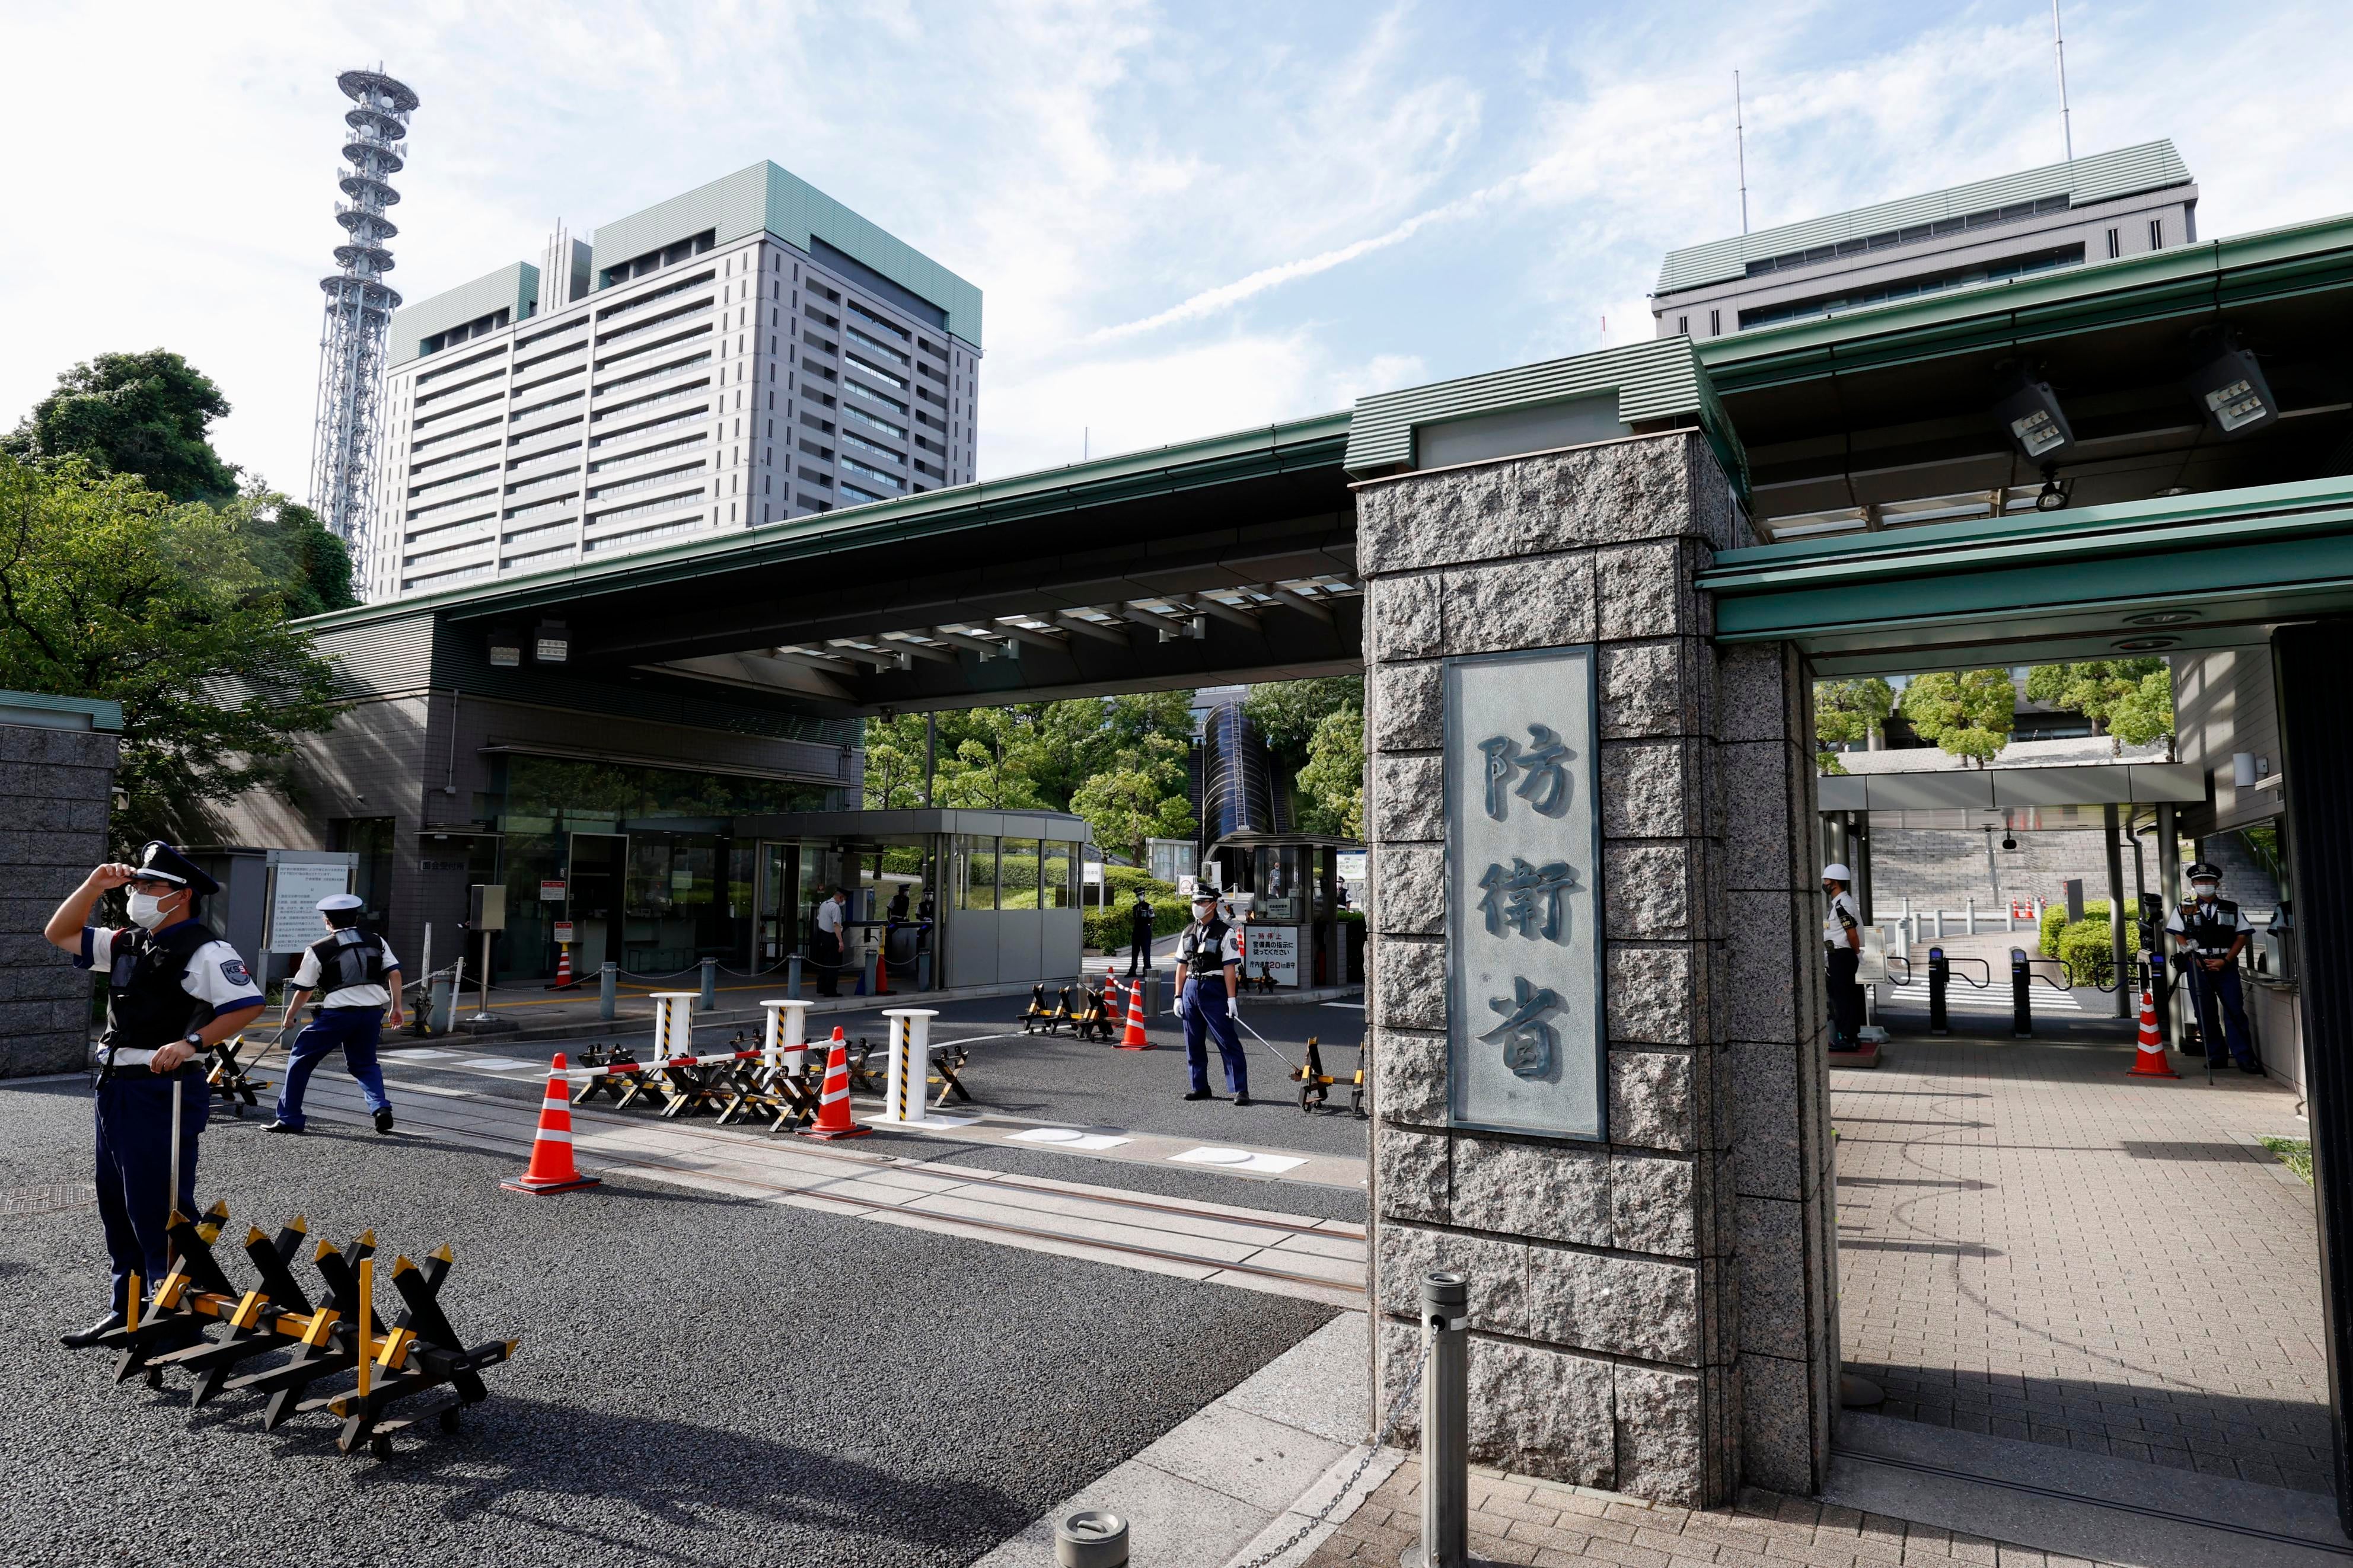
(173, 991)
(2209, 930)
(1209, 957)
(1842, 944)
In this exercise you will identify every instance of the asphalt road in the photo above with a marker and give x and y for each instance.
(702, 1379)
(1057, 1078)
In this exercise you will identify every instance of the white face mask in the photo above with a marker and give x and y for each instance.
(147, 909)
(2205, 890)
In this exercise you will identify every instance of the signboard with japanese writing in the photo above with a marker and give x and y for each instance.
(1272, 950)
(1524, 1052)
(295, 889)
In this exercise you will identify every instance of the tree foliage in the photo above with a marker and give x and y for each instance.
(145, 414)
(1848, 713)
(1967, 713)
(1331, 795)
(1288, 712)
(108, 590)
(294, 549)
(2129, 699)
(1118, 762)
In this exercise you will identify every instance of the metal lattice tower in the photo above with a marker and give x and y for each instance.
(359, 312)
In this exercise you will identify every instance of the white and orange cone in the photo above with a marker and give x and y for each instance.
(2149, 1061)
(833, 1119)
(551, 1170)
(1135, 1038)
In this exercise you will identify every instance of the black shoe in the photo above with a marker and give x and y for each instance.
(2250, 1067)
(384, 1119)
(82, 1339)
(283, 1127)
(1200, 1094)
(1242, 1098)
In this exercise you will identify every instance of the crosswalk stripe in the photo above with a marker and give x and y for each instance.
(2045, 999)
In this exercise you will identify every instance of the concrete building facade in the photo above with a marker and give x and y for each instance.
(58, 757)
(743, 353)
(2104, 207)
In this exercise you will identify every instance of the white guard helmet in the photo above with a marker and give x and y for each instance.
(1836, 871)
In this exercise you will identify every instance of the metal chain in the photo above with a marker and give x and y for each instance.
(1380, 1440)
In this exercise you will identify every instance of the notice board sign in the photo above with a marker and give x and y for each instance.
(295, 889)
(1271, 950)
(1525, 1051)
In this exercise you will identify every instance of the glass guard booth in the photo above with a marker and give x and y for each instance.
(944, 897)
(1301, 932)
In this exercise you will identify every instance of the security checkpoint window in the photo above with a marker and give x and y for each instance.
(977, 872)
(1060, 888)
(1016, 874)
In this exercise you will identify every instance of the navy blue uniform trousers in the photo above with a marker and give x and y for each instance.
(355, 1030)
(1204, 1014)
(134, 1158)
(2213, 990)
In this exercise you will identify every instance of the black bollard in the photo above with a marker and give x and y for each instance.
(2021, 1004)
(1940, 975)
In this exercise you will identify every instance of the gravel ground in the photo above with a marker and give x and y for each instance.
(934, 1394)
(1057, 1079)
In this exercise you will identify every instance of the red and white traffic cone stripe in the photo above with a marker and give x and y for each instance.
(551, 1170)
(2149, 1061)
(833, 1119)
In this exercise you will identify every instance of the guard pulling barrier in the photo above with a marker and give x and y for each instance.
(1315, 1084)
(341, 1335)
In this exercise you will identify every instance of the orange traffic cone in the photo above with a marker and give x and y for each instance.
(882, 969)
(551, 1170)
(1135, 1038)
(564, 981)
(2149, 1062)
(833, 1101)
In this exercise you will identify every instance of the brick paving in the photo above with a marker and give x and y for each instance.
(2033, 1245)
(1516, 1520)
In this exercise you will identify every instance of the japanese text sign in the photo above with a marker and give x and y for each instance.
(1524, 1047)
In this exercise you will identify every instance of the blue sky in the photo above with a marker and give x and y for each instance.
(1186, 219)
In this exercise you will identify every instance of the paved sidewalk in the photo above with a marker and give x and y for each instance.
(2033, 1245)
(1514, 1518)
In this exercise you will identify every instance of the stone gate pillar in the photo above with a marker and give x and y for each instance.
(1653, 1308)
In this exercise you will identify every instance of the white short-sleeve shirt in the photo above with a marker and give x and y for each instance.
(2238, 921)
(830, 916)
(216, 976)
(306, 978)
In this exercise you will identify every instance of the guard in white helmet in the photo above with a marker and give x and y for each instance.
(357, 980)
(2209, 931)
(1842, 941)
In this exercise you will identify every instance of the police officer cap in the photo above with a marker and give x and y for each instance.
(2205, 871)
(165, 864)
(335, 901)
(1836, 871)
(1204, 897)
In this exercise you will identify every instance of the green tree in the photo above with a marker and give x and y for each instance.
(293, 548)
(1967, 713)
(895, 761)
(1288, 712)
(146, 414)
(1332, 785)
(1140, 797)
(1847, 713)
(108, 590)
(988, 769)
(2116, 695)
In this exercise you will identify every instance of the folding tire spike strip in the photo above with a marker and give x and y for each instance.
(551, 1170)
(337, 1336)
(1315, 1084)
(231, 1079)
(1037, 1013)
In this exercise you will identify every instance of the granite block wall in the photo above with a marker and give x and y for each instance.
(55, 789)
(1654, 1314)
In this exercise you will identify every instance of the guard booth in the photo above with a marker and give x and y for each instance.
(944, 897)
(1296, 933)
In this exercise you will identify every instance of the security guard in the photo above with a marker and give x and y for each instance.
(2211, 930)
(1209, 950)
(1842, 941)
(1139, 936)
(361, 980)
(173, 991)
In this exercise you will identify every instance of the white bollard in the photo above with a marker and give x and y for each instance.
(783, 1035)
(905, 1093)
(673, 1023)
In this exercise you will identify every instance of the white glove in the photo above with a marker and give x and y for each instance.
(1234, 1007)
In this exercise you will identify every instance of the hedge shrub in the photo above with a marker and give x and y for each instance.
(1107, 929)
(2054, 919)
(2082, 946)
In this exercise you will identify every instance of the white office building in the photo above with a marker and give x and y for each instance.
(739, 355)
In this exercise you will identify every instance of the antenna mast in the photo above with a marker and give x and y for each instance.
(2058, 52)
(359, 309)
(1740, 145)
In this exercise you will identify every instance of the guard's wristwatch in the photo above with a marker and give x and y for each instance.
(195, 1042)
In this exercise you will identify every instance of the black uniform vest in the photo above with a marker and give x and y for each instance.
(347, 958)
(1202, 948)
(145, 1007)
(2211, 931)
(1139, 921)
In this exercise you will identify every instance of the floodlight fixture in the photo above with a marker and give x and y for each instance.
(2231, 387)
(2031, 414)
(2054, 495)
(506, 649)
(552, 643)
